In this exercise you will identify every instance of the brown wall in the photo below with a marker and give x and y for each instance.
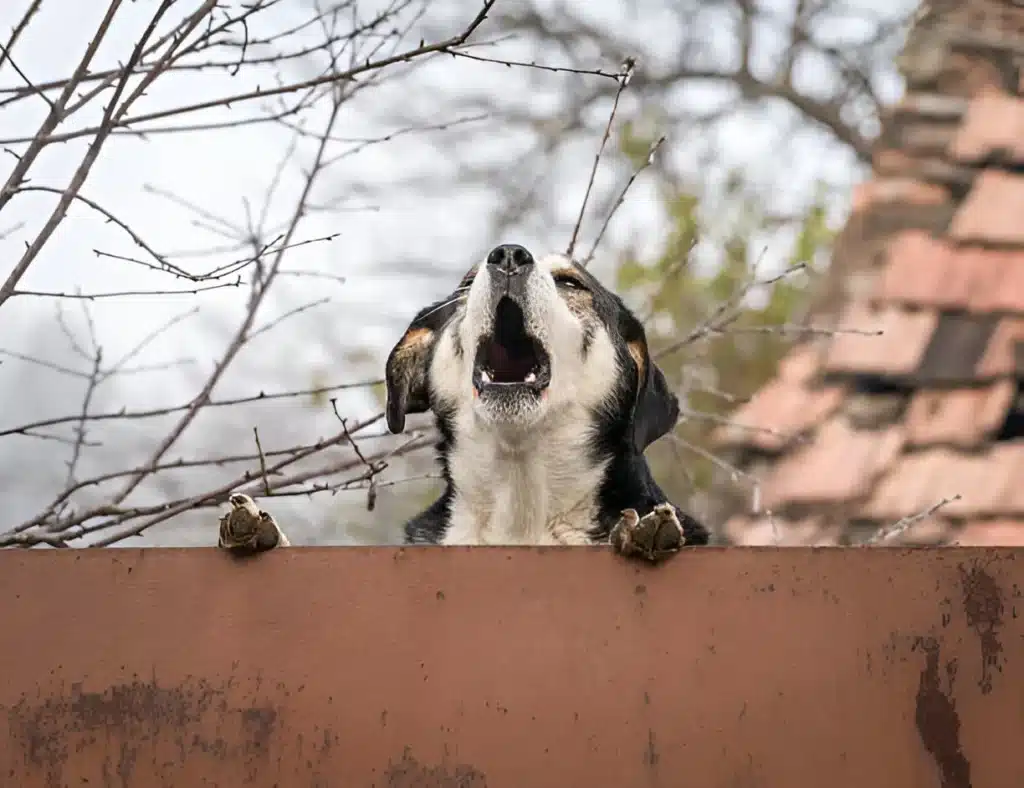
(738, 668)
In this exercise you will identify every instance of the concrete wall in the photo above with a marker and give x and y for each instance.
(738, 668)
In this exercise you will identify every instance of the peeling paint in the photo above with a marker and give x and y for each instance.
(937, 720)
(983, 604)
(139, 715)
(651, 756)
(407, 772)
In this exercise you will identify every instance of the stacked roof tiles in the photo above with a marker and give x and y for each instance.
(914, 434)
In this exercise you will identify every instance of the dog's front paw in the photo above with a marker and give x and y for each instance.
(247, 529)
(652, 537)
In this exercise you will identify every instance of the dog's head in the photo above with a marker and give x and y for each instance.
(523, 340)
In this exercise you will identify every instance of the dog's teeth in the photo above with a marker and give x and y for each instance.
(484, 376)
(531, 378)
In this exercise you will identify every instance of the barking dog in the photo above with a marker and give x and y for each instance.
(545, 396)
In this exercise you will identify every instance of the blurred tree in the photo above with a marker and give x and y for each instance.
(718, 322)
(783, 93)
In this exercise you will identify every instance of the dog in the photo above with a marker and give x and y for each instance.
(545, 397)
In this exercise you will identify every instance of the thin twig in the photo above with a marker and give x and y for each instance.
(263, 462)
(372, 469)
(621, 199)
(624, 76)
(263, 94)
(156, 412)
(725, 313)
(901, 525)
(590, 72)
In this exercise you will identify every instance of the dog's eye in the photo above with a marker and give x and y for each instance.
(563, 280)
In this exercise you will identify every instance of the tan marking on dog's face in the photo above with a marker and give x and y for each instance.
(639, 355)
(568, 272)
(579, 300)
(408, 354)
(415, 339)
(406, 376)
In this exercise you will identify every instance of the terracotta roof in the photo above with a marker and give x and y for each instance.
(845, 464)
(991, 213)
(887, 340)
(965, 418)
(993, 128)
(909, 420)
(809, 532)
(927, 272)
(784, 410)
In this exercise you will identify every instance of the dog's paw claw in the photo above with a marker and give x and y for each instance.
(652, 537)
(247, 529)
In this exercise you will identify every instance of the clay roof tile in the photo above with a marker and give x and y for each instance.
(992, 533)
(992, 212)
(839, 464)
(963, 417)
(993, 127)
(897, 350)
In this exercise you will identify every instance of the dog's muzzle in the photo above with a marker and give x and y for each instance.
(509, 360)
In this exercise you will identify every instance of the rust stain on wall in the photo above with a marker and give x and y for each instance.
(407, 772)
(48, 730)
(486, 668)
(983, 604)
(937, 719)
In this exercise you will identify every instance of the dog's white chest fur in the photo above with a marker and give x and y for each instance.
(543, 492)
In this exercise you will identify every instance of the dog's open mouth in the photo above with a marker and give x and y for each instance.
(510, 357)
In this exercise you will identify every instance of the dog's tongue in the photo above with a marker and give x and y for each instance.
(498, 357)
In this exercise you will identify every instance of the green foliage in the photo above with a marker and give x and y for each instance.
(727, 230)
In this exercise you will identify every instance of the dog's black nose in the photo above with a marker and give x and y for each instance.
(510, 258)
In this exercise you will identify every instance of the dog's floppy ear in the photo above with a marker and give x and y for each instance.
(655, 408)
(405, 373)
